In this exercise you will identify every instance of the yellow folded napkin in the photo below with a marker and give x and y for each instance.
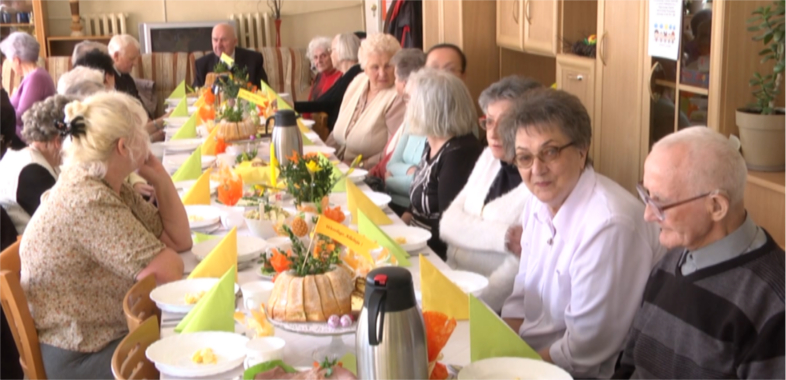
(179, 92)
(440, 294)
(199, 194)
(273, 165)
(220, 259)
(252, 175)
(188, 130)
(356, 200)
(191, 169)
(209, 146)
(215, 311)
(371, 231)
(227, 59)
(491, 337)
(200, 102)
(182, 108)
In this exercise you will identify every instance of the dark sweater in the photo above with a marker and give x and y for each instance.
(330, 101)
(724, 321)
(437, 181)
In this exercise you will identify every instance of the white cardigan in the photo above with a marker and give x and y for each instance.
(475, 232)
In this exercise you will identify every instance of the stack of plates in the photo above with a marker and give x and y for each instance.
(172, 355)
(182, 146)
(204, 219)
(249, 249)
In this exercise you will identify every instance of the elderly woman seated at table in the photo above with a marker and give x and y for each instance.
(586, 251)
(93, 237)
(440, 108)
(25, 174)
(490, 204)
(22, 50)
(319, 54)
(371, 111)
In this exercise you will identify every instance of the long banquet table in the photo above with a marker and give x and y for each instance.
(299, 348)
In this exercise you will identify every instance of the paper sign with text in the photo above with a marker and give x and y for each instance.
(351, 239)
(252, 97)
(227, 59)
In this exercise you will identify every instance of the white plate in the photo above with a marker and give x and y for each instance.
(248, 248)
(190, 110)
(512, 368)
(308, 123)
(313, 136)
(416, 237)
(210, 215)
(173, 102)
(175, 161)
(171, 297)
(326, 150)
(379, 199)
(175, 122)
(184, 145)
(357, 175)
(172, 355)
(470, 283)
(185, 185)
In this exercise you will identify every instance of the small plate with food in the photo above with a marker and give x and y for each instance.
(181, 296)
(202, 216)
(198, 354)
(408, 237)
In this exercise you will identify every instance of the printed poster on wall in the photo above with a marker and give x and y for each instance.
(665, 28)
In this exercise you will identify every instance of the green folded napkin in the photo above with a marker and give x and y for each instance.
(306, 140)
(266, 366)
(341, 185)
(215, 311)
(181, 110)
(180, 91)
(369, 229)
(191, 169)
(350, 363)
(200, 237)
(188, 130)
(491, 337)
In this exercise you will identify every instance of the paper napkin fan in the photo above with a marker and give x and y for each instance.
(179, 92)
(209, 146)
(221, 258)
(356, 200)
(368, 228)
(341, 185)
(440, 294)
(188, 130)
(215, 311)
(199, 194)
(191, 169)
(181, 110)
(491, 337)
(306, 140)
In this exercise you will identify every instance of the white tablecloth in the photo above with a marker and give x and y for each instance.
(299, 348)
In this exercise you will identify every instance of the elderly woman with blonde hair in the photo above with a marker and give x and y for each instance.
(371, 110)
(440, 108)
(93, 237)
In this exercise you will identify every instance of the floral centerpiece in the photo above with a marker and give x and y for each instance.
(309, 179)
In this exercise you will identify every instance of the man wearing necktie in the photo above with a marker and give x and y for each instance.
(224, 42)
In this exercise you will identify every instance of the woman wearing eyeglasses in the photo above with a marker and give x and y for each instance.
(586, 250)
(490, 203)
(319, 54)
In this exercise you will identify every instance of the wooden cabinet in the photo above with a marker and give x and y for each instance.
(576, 75)
(530, 26)
(764, 200)
(26, 16)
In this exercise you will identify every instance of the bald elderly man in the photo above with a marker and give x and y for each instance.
(713, 307)
(225, 41)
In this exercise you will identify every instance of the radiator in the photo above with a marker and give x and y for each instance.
(106, 24)
(254, 30)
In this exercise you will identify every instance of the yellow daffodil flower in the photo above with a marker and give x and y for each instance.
(313, 167)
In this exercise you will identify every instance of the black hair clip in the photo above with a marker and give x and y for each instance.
(76, 127)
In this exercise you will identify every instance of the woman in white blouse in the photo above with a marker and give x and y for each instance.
(490, 204)
(586, 249)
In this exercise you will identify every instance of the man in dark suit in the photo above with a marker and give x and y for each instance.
(224, 41)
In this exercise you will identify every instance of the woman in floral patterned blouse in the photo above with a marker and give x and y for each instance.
(93, 236)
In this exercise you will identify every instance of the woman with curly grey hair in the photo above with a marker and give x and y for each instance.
(22, 50)
(27, 173)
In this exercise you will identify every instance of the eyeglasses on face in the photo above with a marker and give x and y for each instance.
(660, 209)
(324, 55)
(487, 123)
(546, 155)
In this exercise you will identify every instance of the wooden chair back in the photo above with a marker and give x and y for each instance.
(20, 322)
(129, 360)
(320, 125)
(137, 304)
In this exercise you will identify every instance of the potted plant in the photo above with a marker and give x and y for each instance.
(761, 124)
(309, 179)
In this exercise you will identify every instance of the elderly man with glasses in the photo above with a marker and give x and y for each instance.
(714, 306)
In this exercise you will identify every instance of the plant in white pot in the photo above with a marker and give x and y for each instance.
(761, 124)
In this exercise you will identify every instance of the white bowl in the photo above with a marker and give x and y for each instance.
(265, 229)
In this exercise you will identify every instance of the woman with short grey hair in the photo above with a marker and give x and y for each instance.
(344, 57)
(327, 75)
(490, 203)
(440, 108)
(22, 50)
(27, 173)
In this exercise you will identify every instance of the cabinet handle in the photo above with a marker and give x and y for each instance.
(526, 12)
(576, 77)
(516, 11)
(655, 67)
(602, 49)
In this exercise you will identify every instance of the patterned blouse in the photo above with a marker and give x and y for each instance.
(80, 254)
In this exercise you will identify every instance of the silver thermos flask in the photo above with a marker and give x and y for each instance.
(286, 136)
(391, 335)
